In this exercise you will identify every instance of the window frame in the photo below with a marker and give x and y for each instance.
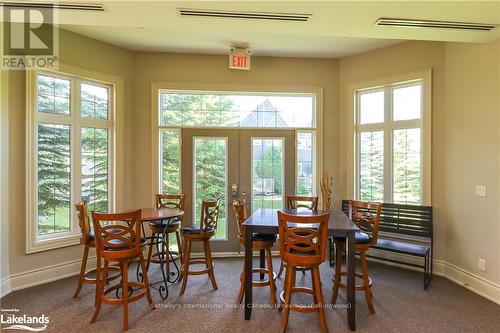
(388, 126)
(156, 127)
(77, 76)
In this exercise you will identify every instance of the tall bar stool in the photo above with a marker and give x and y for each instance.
(200, 233)
(87, 239)
(259, 242)
(302, 246)
(122, 246)
(160, 231)
(299, 202)
(367, 217)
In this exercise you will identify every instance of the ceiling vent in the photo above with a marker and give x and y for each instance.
(434, 24)
(65, 5)
(244, 15)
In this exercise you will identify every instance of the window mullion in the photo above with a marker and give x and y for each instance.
(76, 161)
(388, 144)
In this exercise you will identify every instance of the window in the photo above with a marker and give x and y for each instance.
(305, 163)
(267, 173)
(170, 154)
(389, 141)
(71, 149)
(198, 109)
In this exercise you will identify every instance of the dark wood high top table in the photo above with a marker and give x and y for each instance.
(265, 221)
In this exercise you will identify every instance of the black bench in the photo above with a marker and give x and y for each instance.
(405, 220)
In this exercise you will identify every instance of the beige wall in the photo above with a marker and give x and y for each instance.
(206, 70)
(465, 129)
(465, 141)
(472, 133)
(77, 51)
(405, 58)
(4, 175)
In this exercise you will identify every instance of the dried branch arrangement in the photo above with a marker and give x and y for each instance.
(326, 187)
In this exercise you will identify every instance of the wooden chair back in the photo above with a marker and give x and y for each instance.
(297, 202)
(117, 240)
(240, 213)
(366, 216)
(303, 238)
(82, 211)
(209, 215)
(170, 201)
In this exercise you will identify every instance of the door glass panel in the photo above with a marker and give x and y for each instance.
(267, 173)
(210, 177)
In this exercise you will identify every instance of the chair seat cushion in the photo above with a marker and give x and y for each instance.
(92, 234)
(194, 228)
(263, 237)
(361, 238)
(164, 223)
(144, 242)
(400, 247)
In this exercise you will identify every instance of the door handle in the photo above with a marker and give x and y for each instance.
(234, 189)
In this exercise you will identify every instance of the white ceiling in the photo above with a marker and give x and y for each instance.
(336, 28)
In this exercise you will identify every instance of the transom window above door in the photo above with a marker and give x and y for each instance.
(241, 110)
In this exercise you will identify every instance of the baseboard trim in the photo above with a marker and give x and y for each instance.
(473, 282)
(43, 275)
(470, 281)
(5, 286)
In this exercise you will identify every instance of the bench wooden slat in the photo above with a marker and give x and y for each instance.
(403, 219)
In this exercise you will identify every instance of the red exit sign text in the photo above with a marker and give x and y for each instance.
(239, 59)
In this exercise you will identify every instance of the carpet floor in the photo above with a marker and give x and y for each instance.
(401, 305)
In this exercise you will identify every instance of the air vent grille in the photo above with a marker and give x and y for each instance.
(244, 15)
(41, 5)
(434, 24)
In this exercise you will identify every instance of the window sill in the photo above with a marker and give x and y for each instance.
(52, 243)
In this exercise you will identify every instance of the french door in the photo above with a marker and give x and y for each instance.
(251, 164)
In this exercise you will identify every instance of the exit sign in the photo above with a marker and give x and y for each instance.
(239, 58)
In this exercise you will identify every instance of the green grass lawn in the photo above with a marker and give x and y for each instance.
(274, 201)
(58, 222)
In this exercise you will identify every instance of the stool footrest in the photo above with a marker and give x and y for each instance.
(139, 291)
(297, 307)
(199, 261)
(259, 282)
(358, 286)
